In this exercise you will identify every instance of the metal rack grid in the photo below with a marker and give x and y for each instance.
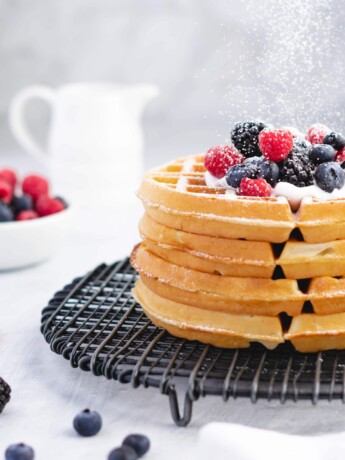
(95, 323)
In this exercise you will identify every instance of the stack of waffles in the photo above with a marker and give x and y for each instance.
(227, 271)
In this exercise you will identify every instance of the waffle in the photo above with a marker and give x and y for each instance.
(207, 253)
(176, 195)
(310, 332)
(256, 296)
(221, 268)
(301, 260)
(219, 329)
(327, 295)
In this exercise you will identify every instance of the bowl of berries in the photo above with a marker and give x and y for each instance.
(33, 222)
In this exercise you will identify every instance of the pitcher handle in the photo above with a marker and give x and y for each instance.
(18, 123)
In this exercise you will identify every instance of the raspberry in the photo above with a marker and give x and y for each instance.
(46, 206)
(220, 158)
(6, 191)
(275, 144)
(316, 133)
(340, 155)
(8, 175)
(35, 186)
(27, 215)
(254, 187)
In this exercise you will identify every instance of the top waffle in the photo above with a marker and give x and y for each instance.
(176, 195)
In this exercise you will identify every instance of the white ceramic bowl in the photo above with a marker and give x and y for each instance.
(32, 241)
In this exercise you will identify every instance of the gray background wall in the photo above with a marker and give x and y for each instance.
(215, 62)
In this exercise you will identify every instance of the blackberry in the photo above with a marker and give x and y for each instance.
(245, 137)
(296, 169)
(5, 394)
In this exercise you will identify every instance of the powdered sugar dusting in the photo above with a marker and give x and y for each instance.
(285, 63)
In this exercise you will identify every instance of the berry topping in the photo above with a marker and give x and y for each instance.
(123, 453)
(35, 186)
(321, 153)
(275, 144)
(46, 206)
(238, 172)
(296, 169)
(27, 215)
(300, 144)
(254, 187)
(340, 156)
(316, 133)
(336, 140)
(330, 176)
(19, 452)
(9, 176)
(220, 158)
(87, 423)
(5, 394)
(269, 171)
(245, 137)
(22, 203)
(138, 442)
(6, 214)
(6, 191)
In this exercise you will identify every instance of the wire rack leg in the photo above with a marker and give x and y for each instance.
(174, 407)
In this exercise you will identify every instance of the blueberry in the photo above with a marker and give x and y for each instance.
(301, 144)
(239, 172)
(330, 176)
(321, 153)
(336, 140)
(123, 453)
(138, 442)
(87, 423)
(269, 170)
(19, 452)
(22, 203)
(6, 214)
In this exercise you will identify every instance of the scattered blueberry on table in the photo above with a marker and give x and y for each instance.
(26, 200)
(19, 452)
(87, 423)
(138, 442)
(123, 453)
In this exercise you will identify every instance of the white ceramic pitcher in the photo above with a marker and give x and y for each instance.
(95, 143)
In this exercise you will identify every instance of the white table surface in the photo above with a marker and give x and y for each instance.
(47, 392)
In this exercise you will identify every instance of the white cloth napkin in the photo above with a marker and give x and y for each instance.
(225, 441)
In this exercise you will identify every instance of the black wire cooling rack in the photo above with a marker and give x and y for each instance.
(95, 324)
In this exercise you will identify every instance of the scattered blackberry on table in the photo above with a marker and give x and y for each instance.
(138, 442)
(6, 213)
(123, 453)
(5, 394)
(330, 176)
(336, 140)
(296, 169)
(321, 153)
(87, 423)
(19, 452)
(269, 170)
(245, 137)
(238, 172)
